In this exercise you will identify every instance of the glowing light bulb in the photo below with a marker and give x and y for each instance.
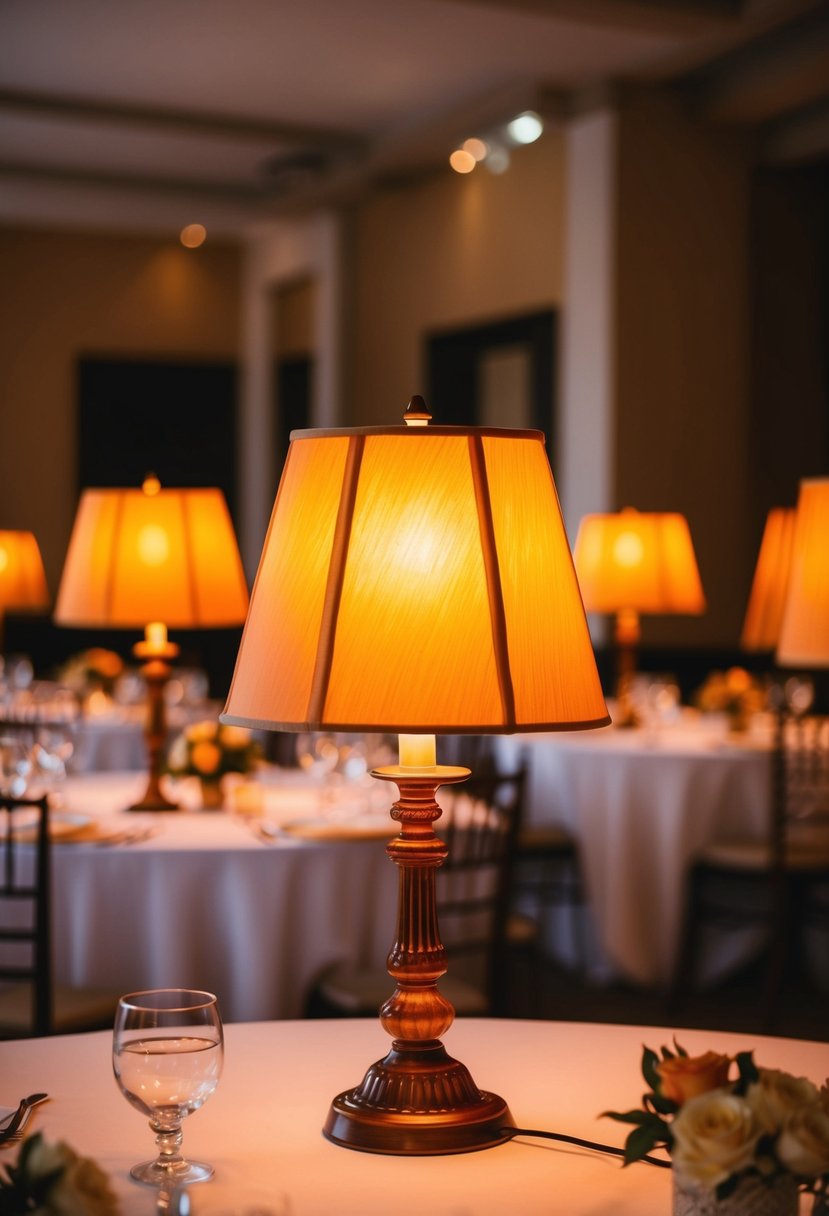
(628, 550)
(153, 545)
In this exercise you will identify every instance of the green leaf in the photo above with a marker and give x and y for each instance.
(667, 1054)
(658, 1102)
(680, 1051)
(747, 1070)
(650, 1060)
(640, 1142)
(728, 1187)
(629, 1116)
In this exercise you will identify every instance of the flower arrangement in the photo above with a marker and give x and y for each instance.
(735, 692)
(209, 750)
(52, 1180)
(721, 1129)
(94, 668)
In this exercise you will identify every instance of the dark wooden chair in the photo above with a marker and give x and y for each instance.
(779, 882)
(480, 824)
(30, 1003)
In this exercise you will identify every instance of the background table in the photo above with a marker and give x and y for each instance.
(261, 1129)
(641, 804)
(205, 903)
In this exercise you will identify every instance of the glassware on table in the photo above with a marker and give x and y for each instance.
(167, 1054)
(15, 766)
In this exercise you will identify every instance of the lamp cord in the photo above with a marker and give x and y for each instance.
(510, 1133)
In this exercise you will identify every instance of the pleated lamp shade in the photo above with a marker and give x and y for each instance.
(764, 613)
(141, 555)
(416, 579)
(22, 581)
(638, 561)
(804, 633)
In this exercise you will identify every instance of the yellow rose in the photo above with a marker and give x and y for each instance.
(206, 758)
(234, 737)
(803, 1145)
(685, 1077)
(201, 730)
(778, 1095)
(715, 1136)
(738, 680)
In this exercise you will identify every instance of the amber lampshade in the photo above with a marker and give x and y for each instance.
(416, 578)
(140, 555)
(764, 614)
(22, 581)
(804, 633)
(149, 559)
(638, 561)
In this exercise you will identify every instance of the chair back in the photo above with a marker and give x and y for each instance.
(800, 795)
(25, 912)
(480, 826)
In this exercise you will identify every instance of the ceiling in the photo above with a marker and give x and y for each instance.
(152, 112)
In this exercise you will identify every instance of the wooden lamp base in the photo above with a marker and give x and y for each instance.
(417, 1101)
(156, 671)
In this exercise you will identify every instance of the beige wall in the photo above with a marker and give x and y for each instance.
(450, 250)
(68, 294)
(682, 334)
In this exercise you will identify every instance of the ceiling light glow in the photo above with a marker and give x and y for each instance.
(498, 160)
(462, 161)
(476, 148)
(526, 128)
(193, 235)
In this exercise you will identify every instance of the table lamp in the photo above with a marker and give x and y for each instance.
(152, 559)
(633, 563)
(22, 581)
(804, 632)
(416, 579)
(764, 612)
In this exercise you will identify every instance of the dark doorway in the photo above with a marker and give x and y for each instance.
(175, 419)
(293, 401)
(465, 368)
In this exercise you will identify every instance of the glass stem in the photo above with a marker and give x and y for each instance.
(168, 1142)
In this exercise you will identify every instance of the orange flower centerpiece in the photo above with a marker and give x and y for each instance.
(209, 750)
(740, 1145)
(735, 693)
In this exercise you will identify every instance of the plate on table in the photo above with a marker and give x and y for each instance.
(63, 826)
(360, 827)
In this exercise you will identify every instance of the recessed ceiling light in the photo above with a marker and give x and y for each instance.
(193, 235)
(462, 161)
(526, 128)
(476, 148)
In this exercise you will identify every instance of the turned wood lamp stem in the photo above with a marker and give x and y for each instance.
(417, 1100)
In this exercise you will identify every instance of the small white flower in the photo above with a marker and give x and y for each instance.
(715, 1136)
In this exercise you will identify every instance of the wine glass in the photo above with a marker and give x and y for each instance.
(167, 1053)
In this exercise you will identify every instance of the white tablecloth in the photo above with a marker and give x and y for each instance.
(261, 1129)
(205, 903)
(641, 804)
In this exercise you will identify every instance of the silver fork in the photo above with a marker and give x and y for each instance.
(17, 1123)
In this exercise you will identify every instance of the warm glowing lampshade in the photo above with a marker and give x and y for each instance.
(764, 613)
(137, 556)
(416, 578)
(804, 634)
(22, 581)
(638, 561)
(149, 559)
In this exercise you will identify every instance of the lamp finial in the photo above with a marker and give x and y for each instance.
(151, 485)
(416, 412)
